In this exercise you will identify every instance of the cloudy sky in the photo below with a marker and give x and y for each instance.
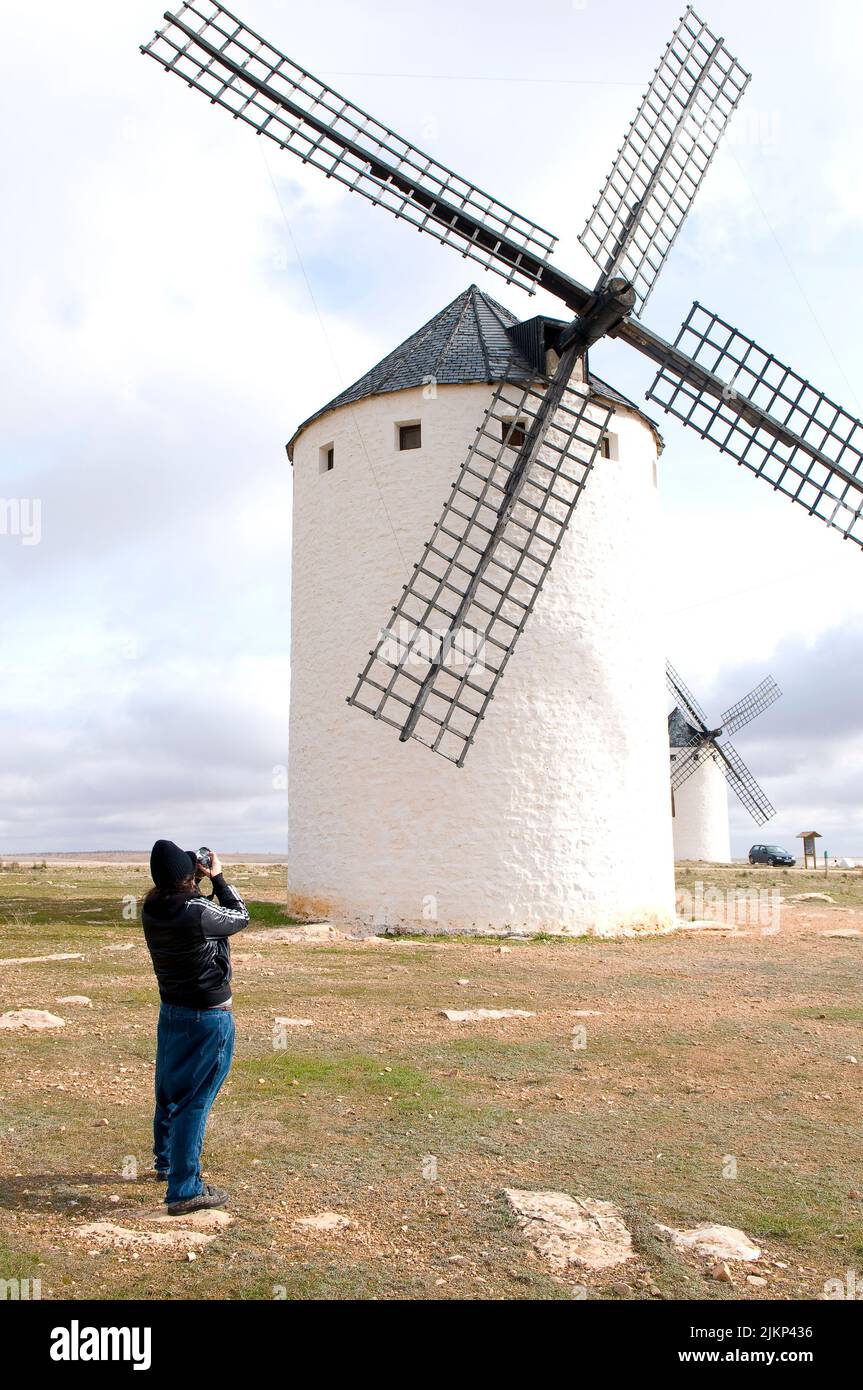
(178, 297)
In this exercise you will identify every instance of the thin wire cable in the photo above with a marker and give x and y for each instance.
(477, 77)
(737, 593)
(803, 295)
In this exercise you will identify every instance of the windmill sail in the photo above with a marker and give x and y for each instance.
(688, 758)
(665, 155)
(770, 419)
(216, 53)
(743, 784)
(749, 708)
(691, 757)
(438, 663)
(685, 698)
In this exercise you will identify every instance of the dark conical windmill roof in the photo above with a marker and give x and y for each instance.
(467, 341)
(680, 731)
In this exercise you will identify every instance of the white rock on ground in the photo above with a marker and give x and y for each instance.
(324, 1221)
(714, 1242)
(36, 1020)
(843, 931)
(34, 960)
(810, 898)
(572, 1230)
(295, 1022)
(318, 931)
(108, 1233)
(213, 1219)
(477, 1015)
(75, 999)
(701, 924)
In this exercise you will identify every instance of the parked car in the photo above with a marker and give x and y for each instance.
(774, 855)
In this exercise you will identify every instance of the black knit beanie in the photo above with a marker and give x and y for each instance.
(169, 864)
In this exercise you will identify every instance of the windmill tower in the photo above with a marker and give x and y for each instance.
(699, 804)
(553, 823)
(533, 544)
(704, 764)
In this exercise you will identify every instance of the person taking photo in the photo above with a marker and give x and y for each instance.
(188, 937)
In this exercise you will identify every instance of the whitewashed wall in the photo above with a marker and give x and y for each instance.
(560, 818)
(701, 826)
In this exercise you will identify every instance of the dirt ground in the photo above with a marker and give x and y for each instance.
(717, 1078)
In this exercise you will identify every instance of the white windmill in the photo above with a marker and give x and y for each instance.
(552, 822)
(561, 817)
(704, 764)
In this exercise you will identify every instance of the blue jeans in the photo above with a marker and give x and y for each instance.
(194, 1048)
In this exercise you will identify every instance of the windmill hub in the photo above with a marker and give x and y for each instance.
(607, 308)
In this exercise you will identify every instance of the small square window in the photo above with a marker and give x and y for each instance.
(327, 458)
(410, 436)
(513, 433)
(608, 446)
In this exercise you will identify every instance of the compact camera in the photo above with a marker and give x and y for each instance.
(205, 857)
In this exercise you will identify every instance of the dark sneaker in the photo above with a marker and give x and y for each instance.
(160, 1174)
(210, 1197)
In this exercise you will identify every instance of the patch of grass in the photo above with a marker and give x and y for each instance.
(264, 914)
(348, 1074)
(15, 1263)
(530, 1060)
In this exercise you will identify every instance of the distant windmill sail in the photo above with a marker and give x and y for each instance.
(484, 566)
(693, 742)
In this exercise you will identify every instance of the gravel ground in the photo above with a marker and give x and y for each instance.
(703, 1076)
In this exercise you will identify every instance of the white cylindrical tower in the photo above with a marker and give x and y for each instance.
(700, 816)
(560, 819)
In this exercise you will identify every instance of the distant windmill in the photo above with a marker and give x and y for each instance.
(478, 578)
(701, 757)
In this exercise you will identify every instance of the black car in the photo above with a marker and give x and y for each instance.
(773, 855)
